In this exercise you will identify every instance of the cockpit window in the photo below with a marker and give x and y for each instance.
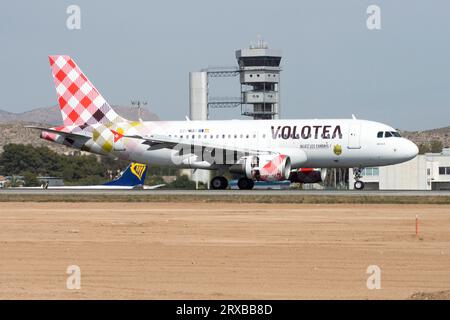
(388, 134)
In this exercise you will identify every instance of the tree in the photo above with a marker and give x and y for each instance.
(15, 182)
(424, 148)
(30, 179)
(154, 180)
(182, 182)
(18, 159)
(436, 146)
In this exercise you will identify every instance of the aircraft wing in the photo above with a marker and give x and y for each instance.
(161, 141)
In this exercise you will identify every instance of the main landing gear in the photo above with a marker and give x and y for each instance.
(358, 185)
(219, 183)
(245, 183)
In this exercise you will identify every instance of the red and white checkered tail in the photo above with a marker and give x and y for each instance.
(80, 102)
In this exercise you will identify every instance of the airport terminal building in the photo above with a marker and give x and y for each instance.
(430, 171)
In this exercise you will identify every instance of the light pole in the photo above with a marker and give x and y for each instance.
(139, 103)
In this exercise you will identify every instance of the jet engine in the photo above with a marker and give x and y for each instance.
(308, 175)
(264, 167)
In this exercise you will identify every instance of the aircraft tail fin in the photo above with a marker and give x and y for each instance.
(134, 175)
(79, 101)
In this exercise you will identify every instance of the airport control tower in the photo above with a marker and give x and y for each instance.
(259, 69)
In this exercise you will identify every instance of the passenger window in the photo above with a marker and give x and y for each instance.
(387, 134)
(380, 134)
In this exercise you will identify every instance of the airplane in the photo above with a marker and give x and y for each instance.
(263, 150)
(132, 177)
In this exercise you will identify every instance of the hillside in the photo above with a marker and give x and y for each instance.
(12, 125)
(16, 133)
(424, 137)
(52, 115)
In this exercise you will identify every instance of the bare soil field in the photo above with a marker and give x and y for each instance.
(223, 250)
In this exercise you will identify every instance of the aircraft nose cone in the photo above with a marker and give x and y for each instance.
(409, 150)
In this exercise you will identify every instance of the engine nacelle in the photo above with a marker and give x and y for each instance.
(267, 167)
(308, 175)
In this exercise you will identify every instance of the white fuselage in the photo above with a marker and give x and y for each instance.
(315, 143)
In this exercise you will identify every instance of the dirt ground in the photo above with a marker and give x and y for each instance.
(223, 250)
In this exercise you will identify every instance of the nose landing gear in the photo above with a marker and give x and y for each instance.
(358, 185)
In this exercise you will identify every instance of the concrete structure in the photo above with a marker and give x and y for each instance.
(198, 110)
(430, 171)
(3, 182)
(51, 181)
(260, 69)
(198, 95)
(259, 73)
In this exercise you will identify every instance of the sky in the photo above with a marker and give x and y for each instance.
(333, 65)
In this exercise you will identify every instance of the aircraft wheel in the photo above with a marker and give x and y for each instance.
(245, 183)
(219, 183)
(359, 185)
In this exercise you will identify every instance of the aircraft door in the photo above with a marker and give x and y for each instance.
(354, 136)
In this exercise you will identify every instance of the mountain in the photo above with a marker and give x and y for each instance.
(12, 125)
(425, 137)
(52, 115)
(14, 132)
(6, 116)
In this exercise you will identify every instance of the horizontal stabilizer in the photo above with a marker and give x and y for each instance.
(62, 133)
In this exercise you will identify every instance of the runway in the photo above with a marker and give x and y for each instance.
(167, 192)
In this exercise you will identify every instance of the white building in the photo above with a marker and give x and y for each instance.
(430, 171)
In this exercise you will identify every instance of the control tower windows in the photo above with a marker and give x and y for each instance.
(260, 62)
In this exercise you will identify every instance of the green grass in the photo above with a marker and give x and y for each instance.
(226, 198)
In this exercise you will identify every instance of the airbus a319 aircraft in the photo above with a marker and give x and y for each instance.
(263, 150)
